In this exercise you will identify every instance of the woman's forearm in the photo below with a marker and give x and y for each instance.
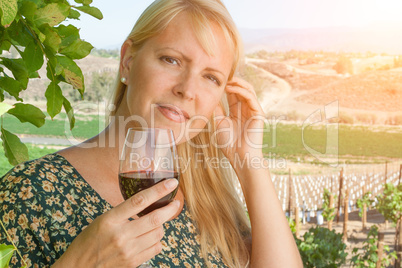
(273, 244)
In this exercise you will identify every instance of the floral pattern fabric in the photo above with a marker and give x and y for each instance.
(45, 203)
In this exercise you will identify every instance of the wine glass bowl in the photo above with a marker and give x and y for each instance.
(148, 157)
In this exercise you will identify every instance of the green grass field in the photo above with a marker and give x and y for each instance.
(86, 126)
(356, 144)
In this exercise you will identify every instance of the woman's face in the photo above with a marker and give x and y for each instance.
(171, 80)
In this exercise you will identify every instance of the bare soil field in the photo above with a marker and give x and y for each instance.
(375, 94)
(374, 90)
(299, 79)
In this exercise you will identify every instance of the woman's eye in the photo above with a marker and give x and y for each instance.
(170, 60)
(214, 79)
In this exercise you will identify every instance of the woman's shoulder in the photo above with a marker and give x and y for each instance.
(46, 168)
(41, 209)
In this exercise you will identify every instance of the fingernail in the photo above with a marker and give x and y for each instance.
(171, 184)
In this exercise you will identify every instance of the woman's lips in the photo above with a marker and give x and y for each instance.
(172, 114)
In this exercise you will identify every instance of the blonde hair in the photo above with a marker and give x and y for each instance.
(210, 192)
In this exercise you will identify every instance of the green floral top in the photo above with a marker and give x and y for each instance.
(45, 203)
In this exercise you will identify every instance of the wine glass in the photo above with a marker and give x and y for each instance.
(148, 157)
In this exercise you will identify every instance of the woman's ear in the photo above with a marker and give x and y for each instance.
(126, 55)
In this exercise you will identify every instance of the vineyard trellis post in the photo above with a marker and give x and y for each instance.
(380, 249)
(398, 262)
(290, 193)
(345, 216)
(386, 172)
(385, 182)
(398, 244)
(339, 195)
(331, 205)
(364, 210)
(297, 221)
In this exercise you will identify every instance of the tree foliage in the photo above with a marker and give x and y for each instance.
(33, 28)
(321, 247)
(344, 66)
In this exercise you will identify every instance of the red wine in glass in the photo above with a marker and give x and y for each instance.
(148, 157)
(136, 181)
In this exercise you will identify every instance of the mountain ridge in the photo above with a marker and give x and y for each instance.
(377, 38)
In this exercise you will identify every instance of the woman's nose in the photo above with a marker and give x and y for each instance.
(186, 87)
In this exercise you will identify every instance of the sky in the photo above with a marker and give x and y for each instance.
(120, 16)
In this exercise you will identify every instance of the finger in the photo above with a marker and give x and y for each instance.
(142, 200)
(155, 219)
(233, 101)
(146, 240)
(248, 96)
(244, 85)
(236, 81)
(147, 254)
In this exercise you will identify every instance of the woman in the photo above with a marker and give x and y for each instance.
(177, 70)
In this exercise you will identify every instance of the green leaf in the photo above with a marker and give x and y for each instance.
(33, 57)
(68, 35)
(71, 73)
(74, 14)
(28, 9)
(38, 3)
(51, 57)
(19, 70)
(6, 252)
(70, 112)
(9, 9)
(50, 71)
(77, 50)
(93, 11)
(54, 99)
(28, 113)
(52, 39)
(4, 107)
(34, 75)
(12, 86)
(1, 95)
(20, 34)
(41, 36)
(51, 14)
(5, 45)
(85, 2)
(15, 151)
(4, 40)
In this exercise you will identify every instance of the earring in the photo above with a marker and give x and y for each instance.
(123, 80)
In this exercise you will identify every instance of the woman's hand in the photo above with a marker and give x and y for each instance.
(240, 132)
(111, 240)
